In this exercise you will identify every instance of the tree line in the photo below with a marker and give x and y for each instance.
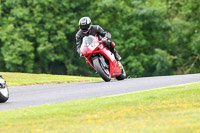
(153, 37)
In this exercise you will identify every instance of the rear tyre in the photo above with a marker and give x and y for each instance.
(123, 75)
(103, 72)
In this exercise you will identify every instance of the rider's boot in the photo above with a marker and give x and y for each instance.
(112, 49)
(117, 56)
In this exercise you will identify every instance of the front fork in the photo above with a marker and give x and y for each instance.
(103, 62)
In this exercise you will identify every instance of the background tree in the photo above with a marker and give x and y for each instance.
(154, 37)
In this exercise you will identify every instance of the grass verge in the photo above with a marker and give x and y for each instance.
(19, 79)
(173, 109)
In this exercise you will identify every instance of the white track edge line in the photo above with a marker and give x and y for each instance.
(148, 90)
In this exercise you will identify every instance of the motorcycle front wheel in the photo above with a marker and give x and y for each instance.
(103, 71)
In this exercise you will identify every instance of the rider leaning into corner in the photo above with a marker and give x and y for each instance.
(86, 29)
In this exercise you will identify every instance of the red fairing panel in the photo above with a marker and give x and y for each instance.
(114, 67)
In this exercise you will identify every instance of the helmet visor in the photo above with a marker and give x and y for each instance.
(84, 28)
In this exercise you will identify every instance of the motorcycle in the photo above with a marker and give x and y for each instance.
(101, 59)
(4, 93)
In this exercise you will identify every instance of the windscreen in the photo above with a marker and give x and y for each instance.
(87, 40)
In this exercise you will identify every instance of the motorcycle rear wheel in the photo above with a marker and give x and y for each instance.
(123, 75)
(103, 72)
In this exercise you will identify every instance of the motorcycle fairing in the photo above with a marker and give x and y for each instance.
(96, 47)
(114, 67)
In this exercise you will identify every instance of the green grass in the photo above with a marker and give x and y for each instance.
(168, 110)
(19, 79)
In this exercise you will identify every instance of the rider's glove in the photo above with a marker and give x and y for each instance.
(104, 40)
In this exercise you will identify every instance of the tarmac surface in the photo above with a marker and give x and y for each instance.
(33, 95)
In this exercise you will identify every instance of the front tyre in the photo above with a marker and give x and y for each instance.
(103, 71)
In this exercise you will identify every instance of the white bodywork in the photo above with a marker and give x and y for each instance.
(4, 91)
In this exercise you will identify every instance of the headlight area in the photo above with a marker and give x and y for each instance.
(93, 46)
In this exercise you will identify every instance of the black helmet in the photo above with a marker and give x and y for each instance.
(85, 24)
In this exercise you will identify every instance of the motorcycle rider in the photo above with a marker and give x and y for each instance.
(86, 29)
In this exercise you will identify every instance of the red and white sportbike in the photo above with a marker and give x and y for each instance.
(101, 59)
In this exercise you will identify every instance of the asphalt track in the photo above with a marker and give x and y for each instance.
(25, 96)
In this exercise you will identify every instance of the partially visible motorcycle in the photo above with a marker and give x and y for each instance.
(4, 92)
(101, 59)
